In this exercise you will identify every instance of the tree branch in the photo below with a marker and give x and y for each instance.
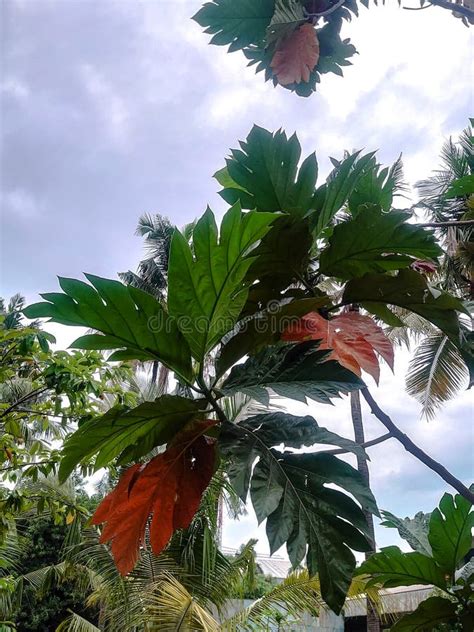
(328, 11)
(463, 222)
(455, 8)
(415, 450)
(25, 398)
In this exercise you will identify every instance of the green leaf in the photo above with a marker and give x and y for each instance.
(413, 530)
(339, 186)
(264, 174)
(236, 23)
(289, 14)
(289, 490)
(207, 286)
(450, 531)
(278, 264)
(295, 371)
(461, 187)
(377, 186)
(410, 290)
(391, 567)
(436, 373)
(375, 241)
(131, 320)
(429, 614)
(263, 329)
(149, 425)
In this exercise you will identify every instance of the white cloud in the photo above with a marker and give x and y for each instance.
(20, 204)
(111, 106)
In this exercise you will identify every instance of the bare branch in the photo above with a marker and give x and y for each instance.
(415, 450)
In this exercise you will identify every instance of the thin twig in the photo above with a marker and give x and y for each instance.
(25, 398)
(415, 450)
(328, 11)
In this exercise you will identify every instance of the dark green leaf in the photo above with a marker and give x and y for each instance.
(375, 241)
(289, 14)
(339, 186)
(428, 616)
(391, 567)
(264, 329)
(410, 290)
(207, 286)
(131, 320)
(289, 490)
(377, 186)
(450, 532)
(264, 174)
(236, 23)
(295, 371)
(149, 425)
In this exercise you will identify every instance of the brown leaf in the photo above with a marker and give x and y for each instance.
(353, 338)
(296, 56)
(169, 487)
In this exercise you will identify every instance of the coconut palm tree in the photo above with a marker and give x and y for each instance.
(437, 370)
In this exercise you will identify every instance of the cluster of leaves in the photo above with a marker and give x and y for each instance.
(293, 42)
(42, 394)
(441, 541)
(285, 39)
(244, 290)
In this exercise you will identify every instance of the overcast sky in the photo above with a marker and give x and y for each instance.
(112, 109)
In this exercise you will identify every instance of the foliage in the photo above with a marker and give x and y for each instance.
(233, 292)
(293, 41)
(449, 540)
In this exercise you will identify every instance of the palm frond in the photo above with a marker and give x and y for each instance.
(173, 609)
(435, 374)
(76, 623)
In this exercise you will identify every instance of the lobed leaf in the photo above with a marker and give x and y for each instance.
(289, 490)
(375, 241)
(131, 321)
(207, 285)
(296, 371)
(128, 433)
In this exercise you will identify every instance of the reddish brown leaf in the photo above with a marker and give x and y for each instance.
(296, 56)
(354, 339)
(169, 487)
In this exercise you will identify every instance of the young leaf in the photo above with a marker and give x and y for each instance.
(170, 487)
(236, 23)
(375, 241)
(289, 490)
(128, 432)
(264, 174)
(296, 56)
(207, 285)
(428, 616)
(132, 321)
(391, 567)
(353, 338)
(450, 531)
(410, 290)
(265, 328)
(295, 371)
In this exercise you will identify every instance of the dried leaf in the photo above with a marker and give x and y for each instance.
(169, 487)
(354, 339)
(296, 56)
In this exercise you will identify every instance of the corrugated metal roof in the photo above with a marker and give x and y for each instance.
(275, 565)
